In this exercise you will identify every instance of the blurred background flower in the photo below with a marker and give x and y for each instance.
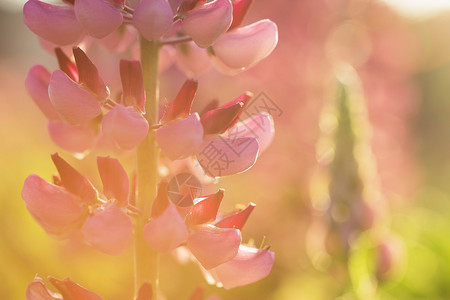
(401, 54)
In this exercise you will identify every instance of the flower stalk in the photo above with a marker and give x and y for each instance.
(146, 258)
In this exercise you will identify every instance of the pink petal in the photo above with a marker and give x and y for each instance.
(72, 291)
(218, 120)
(153, 18)
(55, 209)
(124, 127)
(98, 17)
(226, 156)
(77, 139)
(37, 290)
(66, 64)
(145, 292)
(181, 105)
(247, 45)
(245, 99)
(249, 265)
(73, 181)
(180, 139)
(167, 231)
(259, 126)
(109, 229)
(192, 60)
(54, 23)
(132, 84)
(36, 84)
(240, 8)
(114, 179)
(208, 22)
(213, 246)
(206, 210)
(75, 104)
(188, 5)
(88, 74)
(236, 220)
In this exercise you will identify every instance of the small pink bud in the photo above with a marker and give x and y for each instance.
(98, 17)
(181, 138)
(213, 246)
(208, 22)
(124, 127)
(218, 120)
(53, 207)
(36, 83)
(77, 139)
(249, 265)
(205, 210)
(162, 199)
(153, 18)
(75, 104)
(115, 181)
(236, 220)
(181, 105)
(54, 23)
(73, 181)
(66, 64)
(167, 231)
(132, 84)
(247, 45)
(88, 74)
(109, 229)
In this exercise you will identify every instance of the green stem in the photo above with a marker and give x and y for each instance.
(147, 259)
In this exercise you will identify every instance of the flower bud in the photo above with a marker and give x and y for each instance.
(153, 18)
(124, 127)
(206, 23)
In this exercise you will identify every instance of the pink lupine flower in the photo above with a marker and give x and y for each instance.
(75, 204)
(245, 46)
(98, 17)
(217, 130)
(77, 97)
(54, 23)
(68, 290)
(214, 243)
(248, 266)
(208, 22)
(153, 18)
(58, 211)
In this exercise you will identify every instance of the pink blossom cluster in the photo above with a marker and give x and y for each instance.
(214, 28)
(82, 114)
